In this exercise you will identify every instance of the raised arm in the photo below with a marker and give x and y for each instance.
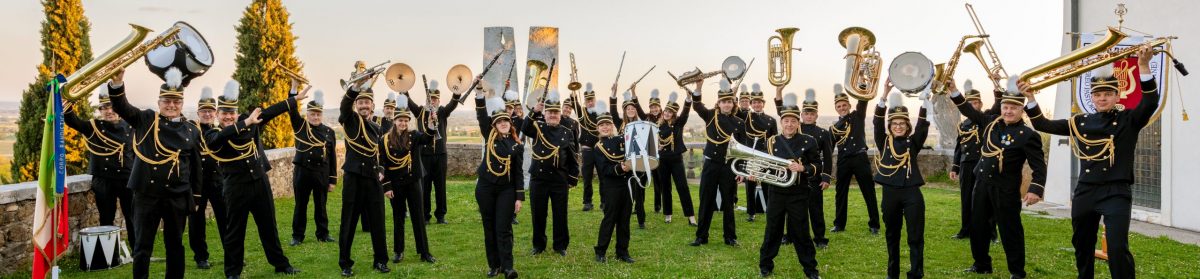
(922, 131)
(485, 120)
(449, 108)
(1060, 127)
(825, 142)
(682, 117)
(702, 111)
(880, 127)
(638, 106)
(1149, 103)
(121, 106)
(72, 120)
(279, 108)
(346, 111)
(967, 110)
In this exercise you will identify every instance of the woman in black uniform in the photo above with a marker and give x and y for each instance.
(500, 189)
(631, 111)
(670, 159)
(614, 187)
(402, 180)
(900, 176)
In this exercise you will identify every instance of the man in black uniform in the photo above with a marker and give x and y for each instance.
(1008, 145)
(721, 127)
(587, 140)
(197, 221)
(966, 156)
(819, 183)
(759, 127)
(568, 120)
(384, 122)
(315, 172)
(1104, 141)
(243, 167)
(165, 178)
(361, 191)
(554, 170)
(788, 204)
(850, 142)
(110, 157)
(431, 120)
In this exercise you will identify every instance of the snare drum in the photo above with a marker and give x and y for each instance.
(911, 72)
(102, 248)
(641, 146)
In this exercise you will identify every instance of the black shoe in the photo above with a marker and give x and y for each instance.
(441, 220)
(381, 267)
(698, 242)
(398, 257)
(515, 221)
(289, 270)
(837, 229)
(295, 242)
(203, 264)
(346, 272)
(510, 274)
(325, 239)
(765, 273)
(493, 271)
(561, 252)
(601, 259)
(959, 236)
(822, 245)
(428, 258)
(875, 231)
(626, 259)
(536, 251)
(750, 219)
(978, 270)
(732, 242)
(1014, 276)
(641, 226)
(587, 207)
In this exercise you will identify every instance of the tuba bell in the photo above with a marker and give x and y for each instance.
(863, 63)
(779, 54)
(766, 168)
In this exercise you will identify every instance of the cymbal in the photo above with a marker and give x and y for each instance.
(400, 77)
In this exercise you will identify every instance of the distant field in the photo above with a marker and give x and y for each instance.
(6, 148)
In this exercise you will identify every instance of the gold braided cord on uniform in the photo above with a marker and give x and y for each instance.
(308, 139)
(903, 160)
(172, 156)
(969, 135)
(491, 153)
(400, 162)
(720, 133)
(1106, 145)
(667, 143)
(610, 156)
(751, 131)
(369, 150)
(990, 149)
(841, 134)
(104, 143)
(553, 154)
(246, 150)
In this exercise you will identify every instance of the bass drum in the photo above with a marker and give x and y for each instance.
(102, 248)
(641, 146)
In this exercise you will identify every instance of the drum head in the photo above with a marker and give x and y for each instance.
(199, 53)
(459, 78)
(400, 77)
(911, 72)
(733, 68)
(99, 230)
(641, 145)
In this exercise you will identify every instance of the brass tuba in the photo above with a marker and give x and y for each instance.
(747, 161)
(1084, 59)
(779, 68)
(81, 83)
(863, 63)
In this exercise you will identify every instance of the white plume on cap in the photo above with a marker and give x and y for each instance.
(173, 77)
(895, 100)
(789, 100)
(433, 85)
(744, 89)
(598, 108)
(810, 95)
(587, 87)
(205, 93)
(628, 95)
(968, 86)
(756, 87)
(319, 97)
(402, 99)
(552, 96)
(673, 97)
(510, 95)
(392, 97)
(654, 94)
(1012, 82)
(494, 104)
(231, 90)
(837, 89)
(724, 85)
(1104, 71)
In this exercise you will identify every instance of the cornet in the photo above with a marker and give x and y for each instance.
(779, 69)
(291, 74)
(362, 74)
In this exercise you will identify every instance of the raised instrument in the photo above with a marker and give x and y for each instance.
(574, 85)
(764, 167)
(540, 74)
(863, 63)
(459, 79)
(1086, 59)
(291, 74)
(911, 72)
(945, 72)
(400, 77)
(363, 74)
(160, 53)
(692, 76)
(631, 85)
(996, 70)
(779, 54)
(641, 146)
(733, 69)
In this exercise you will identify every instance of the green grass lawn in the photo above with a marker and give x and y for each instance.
(661, 249)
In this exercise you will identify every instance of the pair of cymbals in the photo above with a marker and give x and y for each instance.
(400, 78)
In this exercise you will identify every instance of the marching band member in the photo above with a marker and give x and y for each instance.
(389, 108)
(632, 111)
(670, 165)
(819, 183)
(759, 127)
(516, 114)
(614, 187)
(402, 176)
(361, 190)
(243, 165)
(110, 156)
(850, 142)
(315, 172)
(789, 203)
(588, 137)
(553, 172)
(898, 172)
(432, 120)
(1104, 141)
(653, 115)
(501, 189)
(721, 126)
(1008, 145)
(966, 155)
(569, 121)
(743, 101)
(166, 177)
(213, 190)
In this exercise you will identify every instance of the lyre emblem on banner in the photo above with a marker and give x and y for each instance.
(1126, 78)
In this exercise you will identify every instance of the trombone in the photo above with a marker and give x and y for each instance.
(996, 71)
(291, 74)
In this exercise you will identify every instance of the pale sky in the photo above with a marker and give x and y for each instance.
(432, 36)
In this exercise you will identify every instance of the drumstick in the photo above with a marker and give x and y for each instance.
(620, 67)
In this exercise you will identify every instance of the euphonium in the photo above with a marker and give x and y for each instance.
(863, 63)
(81, 83)
(947, 72)
(779, 68)
(1084, 59)
(747, 161)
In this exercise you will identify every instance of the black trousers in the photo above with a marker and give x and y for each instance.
(716, 176)
(617, 212)
(671, 170)
(904, 205)
(549, 196)
(816, 211)
(108, 192)
(496, 206)
(247, 199)
(308, 183)
(588, 171)
(788, 210)
(149, 213)
(197, 239)
(966, 185)
(434, 183)
(407, 197)
(1004, 203)
(858, 167)
(754, 201)
(658, 189)
(639, 198)
(361, 197)
(1088, 204)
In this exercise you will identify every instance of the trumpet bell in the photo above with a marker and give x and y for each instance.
(400, 77)
(459, 78)
(186, 50)
(911, 72)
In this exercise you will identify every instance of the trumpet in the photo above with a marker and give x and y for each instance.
(779, 69)
(291, 74)
(863, 63)
(747, 161)
(362, 73)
